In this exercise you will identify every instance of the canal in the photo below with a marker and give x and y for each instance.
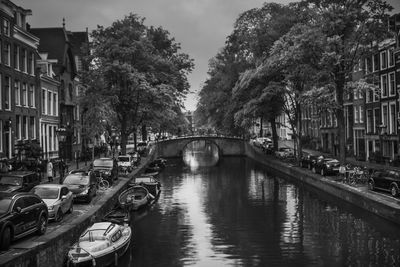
(233, 212)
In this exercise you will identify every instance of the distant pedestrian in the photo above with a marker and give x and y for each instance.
(50, 171)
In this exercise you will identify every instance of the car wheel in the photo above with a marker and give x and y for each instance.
(42, 225)
(371, 185)
(89, 198)
(5, 239)
(394, 190)
(59, 215)
(71, 208)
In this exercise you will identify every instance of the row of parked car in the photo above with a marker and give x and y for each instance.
(26, 205)
(379, 179)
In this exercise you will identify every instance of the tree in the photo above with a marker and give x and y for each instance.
(141, 72)
(350, 27)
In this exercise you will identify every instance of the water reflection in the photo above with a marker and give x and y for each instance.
(200, 153)
(238, 214)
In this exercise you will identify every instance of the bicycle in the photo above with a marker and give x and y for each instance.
(102, 183)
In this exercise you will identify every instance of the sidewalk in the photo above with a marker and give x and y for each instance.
(72, 165)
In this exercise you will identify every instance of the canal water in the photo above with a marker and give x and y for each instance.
(231, 211)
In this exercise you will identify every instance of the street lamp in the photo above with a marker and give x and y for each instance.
(382, 132)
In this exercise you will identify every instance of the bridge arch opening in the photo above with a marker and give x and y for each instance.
(200, 153)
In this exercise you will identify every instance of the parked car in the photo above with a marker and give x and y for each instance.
(83, 185)
(326, 166)
(21, 214)
(58, 198)
(18, 181)
(260, 141)
(284, 152)
(125, 163)
(308, 161)
(106, 168)
(385, 180)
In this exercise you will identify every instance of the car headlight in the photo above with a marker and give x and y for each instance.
(328, 165)
(85, 192)
(50, 207)
(107, 172)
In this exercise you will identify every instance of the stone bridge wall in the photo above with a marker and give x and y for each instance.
(227, 146)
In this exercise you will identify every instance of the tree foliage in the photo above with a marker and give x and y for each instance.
(138, 72)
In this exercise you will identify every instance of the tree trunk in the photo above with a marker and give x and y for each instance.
(144, 133)
(340, 80)
(124, 137)
(274, 133)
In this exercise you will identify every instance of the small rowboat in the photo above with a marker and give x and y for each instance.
(152, 184)
(118, 215)
(134, 197)
(100, 245)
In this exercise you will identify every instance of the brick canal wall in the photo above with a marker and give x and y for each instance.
(51, 250)
(381, 205)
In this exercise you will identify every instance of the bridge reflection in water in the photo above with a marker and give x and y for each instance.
(200, 153)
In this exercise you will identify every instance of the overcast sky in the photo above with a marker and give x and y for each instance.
(201, 26)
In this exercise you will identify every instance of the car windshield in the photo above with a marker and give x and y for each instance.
(46, 193)
(11, 180)
(103, 163)
(77, 178)
(124, 159)
(4, 205)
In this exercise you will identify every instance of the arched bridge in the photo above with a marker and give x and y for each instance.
(227, 146)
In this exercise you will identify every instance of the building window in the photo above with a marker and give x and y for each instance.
(32, 64)
(16, 57)
(384, 85)
(375, 62)
(7, 93)
(24, 61)
(24, 95)
(385, 115)
(18, 127)
(31, 96)
(1, 92)
(32, 124)
(55, 104)
(44, 102)
(377, 120)
(392, 126)
(17, 89)
(49, 105)
(391, 57)
(356, 114)
(7, 54)
(370, 121)
(1, 136)
(361, 114)
(25, 127)
(383, 60)
(6, 27)
(392, 84)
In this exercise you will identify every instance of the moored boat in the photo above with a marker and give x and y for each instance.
(100, 245)
(118, 215)
(134, 197)
(149, 182)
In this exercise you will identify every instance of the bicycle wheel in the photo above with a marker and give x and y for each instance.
(104, 185)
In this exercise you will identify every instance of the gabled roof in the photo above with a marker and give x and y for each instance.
(53, 41)
(77, 40)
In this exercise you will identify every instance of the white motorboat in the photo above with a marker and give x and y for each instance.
(100, 245)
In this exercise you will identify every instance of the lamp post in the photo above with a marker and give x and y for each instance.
(382, 132)
(62, 138)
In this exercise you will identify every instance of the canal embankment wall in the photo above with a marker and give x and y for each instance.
(382, 205)
(51, 248)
